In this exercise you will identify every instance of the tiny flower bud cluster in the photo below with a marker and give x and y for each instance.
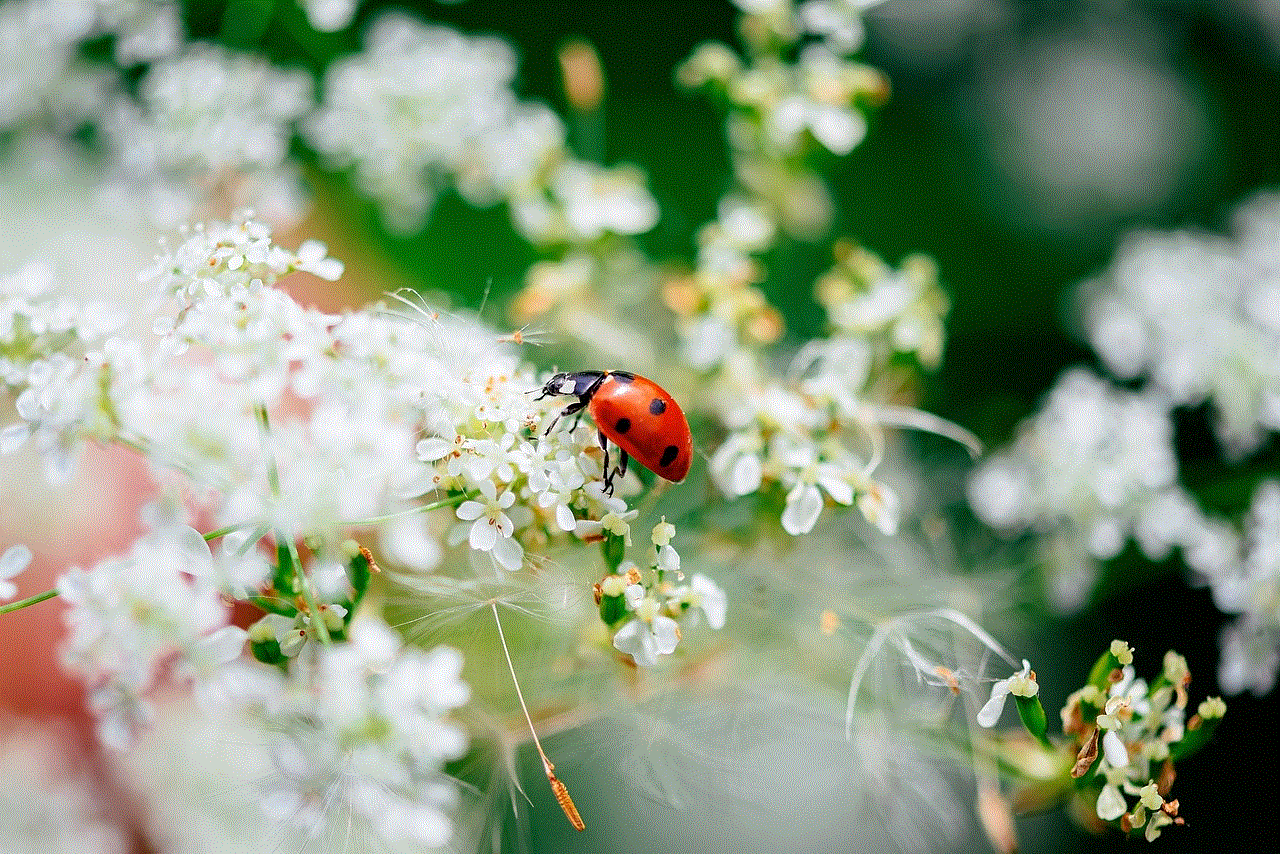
(1128, 734)
(648, 608)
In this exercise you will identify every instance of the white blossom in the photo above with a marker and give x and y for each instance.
(362, 734)
(423, 106)
(127, 615)
(1198, 315)
(1020, 684)
(12, 562)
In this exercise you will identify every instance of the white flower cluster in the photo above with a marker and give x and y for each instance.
(797, 431)
(42, 336)
(424, 108)
(780, 106)
(157, 606)
(1250, 587)
(41, 76)
(1093, 468)
(209, 122)
(278, 422)
(359, 732)
(421, 105)
(1200, 318)
(1137, 725)
(654, 607)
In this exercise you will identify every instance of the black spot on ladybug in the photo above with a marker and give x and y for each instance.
(623, 376)
(669, 456)
(623, 425)
(657, 406)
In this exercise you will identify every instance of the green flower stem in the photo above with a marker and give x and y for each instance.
(30, 600)
(451, 501)
(229, 529)
(308, 595)
(304, 583)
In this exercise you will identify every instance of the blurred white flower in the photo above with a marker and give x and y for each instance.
(209, 120)
(1200, 316)
(329, 16)
(1089, 464)
(1250, 587)
(128, 615)
(360, 735)
(12, 562)
(704, 594)
(49, 797)
(646, 639)
(423, 106)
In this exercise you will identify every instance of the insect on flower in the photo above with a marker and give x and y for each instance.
(637, 414)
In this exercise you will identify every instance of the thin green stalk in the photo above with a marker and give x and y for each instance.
(30, 600)
(412, 511)
(304, 583)
(229, 529)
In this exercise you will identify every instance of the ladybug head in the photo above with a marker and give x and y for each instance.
(559, 384)
(575, 383)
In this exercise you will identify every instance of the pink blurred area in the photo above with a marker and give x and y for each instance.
(93, 516)
(44, 714)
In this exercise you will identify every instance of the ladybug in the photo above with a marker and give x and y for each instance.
(637, 414)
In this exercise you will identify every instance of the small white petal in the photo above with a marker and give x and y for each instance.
(469, 510)
(746, 475)
(14, 560)
(13, 437)
(509, 554)
(990, 712)
(1114, 750)
(1111, 803)
(666, 635)
(483, 535)
(634, 595)
(711, 598)
(804, 505)
(634, 640)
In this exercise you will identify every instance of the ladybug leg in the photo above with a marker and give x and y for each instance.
(622, 463)
(575, 407)
(608, 475)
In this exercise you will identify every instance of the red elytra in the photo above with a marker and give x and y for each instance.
(635, 413)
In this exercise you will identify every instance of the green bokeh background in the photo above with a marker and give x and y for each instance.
(924, 180)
